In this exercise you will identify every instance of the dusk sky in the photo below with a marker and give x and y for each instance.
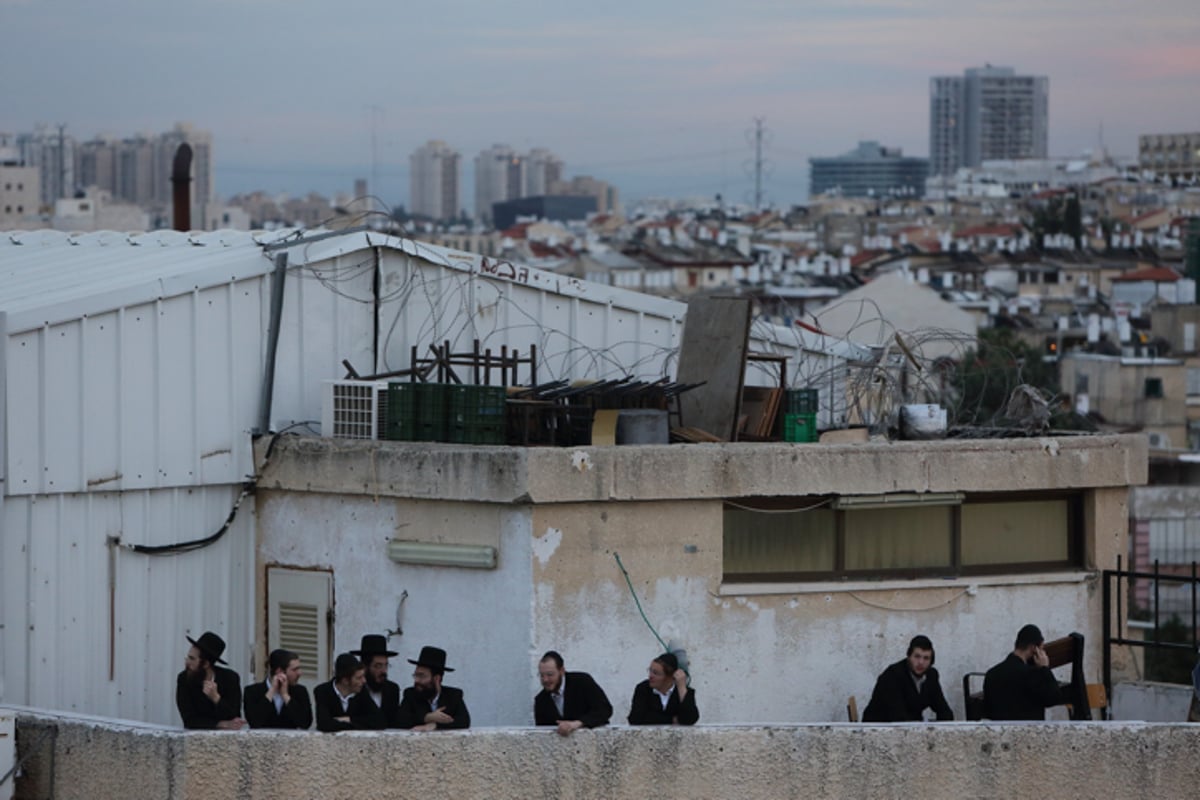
(655, 96)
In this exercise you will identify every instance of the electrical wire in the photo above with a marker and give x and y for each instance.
(638, 602)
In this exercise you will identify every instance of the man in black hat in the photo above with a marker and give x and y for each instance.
(569, 700)
(207, 695)
(905, 689)
(1021, 687)
(379, 702)
(427, 705)
(279, 701)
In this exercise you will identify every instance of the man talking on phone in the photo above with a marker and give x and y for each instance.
(1021, 687)
(279, 701)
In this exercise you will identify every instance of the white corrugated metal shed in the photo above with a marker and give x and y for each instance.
(131, 369)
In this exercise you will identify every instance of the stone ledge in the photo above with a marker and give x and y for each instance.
(704, 471)
(70, 757)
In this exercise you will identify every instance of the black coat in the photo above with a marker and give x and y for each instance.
(895, 698)
(297, 714)
(329, 707)
(378, 717)
(583, 700)
(200, 713)
(647, 709)
(1015, 690)
(414, 707)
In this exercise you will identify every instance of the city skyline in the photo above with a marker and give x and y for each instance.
(656, 100)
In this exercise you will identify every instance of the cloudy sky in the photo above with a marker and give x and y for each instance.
(656, 96)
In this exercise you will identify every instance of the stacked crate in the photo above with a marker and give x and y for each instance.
(447, 412)
(800, 415)
(476, 414)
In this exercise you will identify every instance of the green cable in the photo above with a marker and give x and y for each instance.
(638, 603)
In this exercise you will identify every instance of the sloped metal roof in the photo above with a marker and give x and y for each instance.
(84, 273)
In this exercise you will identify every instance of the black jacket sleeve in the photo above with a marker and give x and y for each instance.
(937, 698)
(687, 713)
(544, 712)
(259, 711)
(456, 706)
(328, 709)
(364, 714)
(1041, 683)
(299, 711)
(599, 710)
(200, 713)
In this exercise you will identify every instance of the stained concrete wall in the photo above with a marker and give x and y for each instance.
(760, 653)
(1149, 701)
(70, 758)
(776, 654)
(480, 617)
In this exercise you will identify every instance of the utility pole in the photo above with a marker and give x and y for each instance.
(759, 123)
(757, 138)
(373, 189)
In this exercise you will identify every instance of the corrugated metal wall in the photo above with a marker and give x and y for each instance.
(150, 395)
(56, 570)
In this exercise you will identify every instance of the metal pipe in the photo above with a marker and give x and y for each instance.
(1156, 601)
(268, 385)
(1106, 611)
(181, 178)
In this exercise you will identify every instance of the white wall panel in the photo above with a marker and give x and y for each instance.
(151, 395)
(56, 641)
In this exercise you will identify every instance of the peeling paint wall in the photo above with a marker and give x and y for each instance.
(773, 658)
(480, 617)
(759, 654)
(96, 759)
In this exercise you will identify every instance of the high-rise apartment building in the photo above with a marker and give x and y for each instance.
(499, 176)
(434, 174)
(988, 113)
(543, 169)
(52, 152)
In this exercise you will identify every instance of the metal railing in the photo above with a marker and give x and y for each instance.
(1120, 611)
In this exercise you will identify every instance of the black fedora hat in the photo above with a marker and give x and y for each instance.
(432, 657)
(373, 644)
(210, 646)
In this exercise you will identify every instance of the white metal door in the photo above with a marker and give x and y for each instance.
(299, 603)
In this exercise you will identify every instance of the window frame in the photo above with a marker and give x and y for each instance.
(1075, 542)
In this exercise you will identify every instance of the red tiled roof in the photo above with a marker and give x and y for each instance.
(1135, 219)
(858, 259)
(518, 231)
(1156, 274)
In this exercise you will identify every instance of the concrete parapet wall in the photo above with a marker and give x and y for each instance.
(73, 757)
(688, 472)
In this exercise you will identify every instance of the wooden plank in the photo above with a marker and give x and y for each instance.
(713, 352)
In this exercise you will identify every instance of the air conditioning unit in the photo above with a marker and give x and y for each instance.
(354, 409)
(1158, 441)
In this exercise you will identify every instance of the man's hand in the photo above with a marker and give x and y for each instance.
(343, 719)
(428, 726)
(568, 726)
(1039, 657)
(210, 690)
(279, 686)
(681, 683)
(235, 724)
(439, 717)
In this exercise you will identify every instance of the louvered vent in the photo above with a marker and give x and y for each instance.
(299, 631)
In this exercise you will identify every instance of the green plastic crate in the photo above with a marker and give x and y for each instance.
(475, 404)
(416, 412)
(800, 401)
(800, 427)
